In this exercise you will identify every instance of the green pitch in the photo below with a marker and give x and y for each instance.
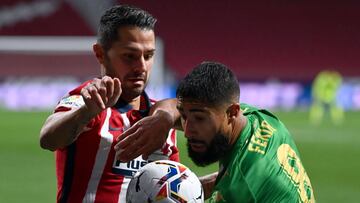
(330, 155)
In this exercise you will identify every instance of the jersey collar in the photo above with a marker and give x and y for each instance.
(145, 104)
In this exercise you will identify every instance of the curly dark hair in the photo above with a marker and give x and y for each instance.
(210, 83)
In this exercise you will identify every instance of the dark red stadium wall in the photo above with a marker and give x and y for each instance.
(65, 21)
(290, 40)
(35, 65)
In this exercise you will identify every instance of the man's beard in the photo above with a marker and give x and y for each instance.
(131, 93)
(217, 149)
(128, 92)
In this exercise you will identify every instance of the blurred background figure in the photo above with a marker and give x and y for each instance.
(324, 97)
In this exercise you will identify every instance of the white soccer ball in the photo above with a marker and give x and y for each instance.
(164, 181)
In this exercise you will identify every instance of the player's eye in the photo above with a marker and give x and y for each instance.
(199, 118)
(148, 56)
(129, 56)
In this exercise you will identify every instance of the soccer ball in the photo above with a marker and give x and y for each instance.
(164, 181)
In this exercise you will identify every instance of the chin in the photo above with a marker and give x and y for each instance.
(201, 158)
(132, 93)
(216, 150)
(138, 91)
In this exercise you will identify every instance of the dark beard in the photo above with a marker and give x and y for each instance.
(217, 149)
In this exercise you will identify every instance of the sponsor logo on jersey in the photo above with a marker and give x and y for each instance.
(129, 168)
(71, 101)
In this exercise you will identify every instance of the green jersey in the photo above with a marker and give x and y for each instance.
(263, 165)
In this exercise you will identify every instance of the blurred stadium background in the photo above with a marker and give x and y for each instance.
(276, 49)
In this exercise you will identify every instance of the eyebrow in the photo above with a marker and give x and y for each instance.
(136, 49)
(191, 110)
(197, 110)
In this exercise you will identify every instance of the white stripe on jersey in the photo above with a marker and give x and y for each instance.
(100, 161)
(126, 124)
(124, 186)
(126, 181)
(170, 142)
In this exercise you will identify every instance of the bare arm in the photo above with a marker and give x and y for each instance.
(150, 133)
(62, 128)
(208, 183)
(168, 106)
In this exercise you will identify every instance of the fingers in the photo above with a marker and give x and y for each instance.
(131, 144)
(138, 152)
(116, 92)
(132, 151)
(86, 94)
(95, 96)
(144, 137)
(128, 135)
(128, 141)
(103, 92)
(109, 84)
(145, 155)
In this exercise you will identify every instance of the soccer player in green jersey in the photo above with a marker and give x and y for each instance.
(259, 161)
(324, 92)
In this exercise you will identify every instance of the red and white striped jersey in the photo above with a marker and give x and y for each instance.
(87, 170)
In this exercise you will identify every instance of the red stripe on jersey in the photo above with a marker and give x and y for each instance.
(112, 181)
(79, 88)
(85, 153)
(60, 157)
(170, 146)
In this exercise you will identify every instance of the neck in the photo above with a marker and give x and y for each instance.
(237, 126)
(134, 102)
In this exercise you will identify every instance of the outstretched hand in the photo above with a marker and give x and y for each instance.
(144, 137)
(101, 93)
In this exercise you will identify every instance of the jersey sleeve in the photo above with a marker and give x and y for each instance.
(71, 100)
(74, 100)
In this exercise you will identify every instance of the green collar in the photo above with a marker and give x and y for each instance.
(239, 144)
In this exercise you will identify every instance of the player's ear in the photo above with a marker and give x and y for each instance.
(99, 53)
(233, 112)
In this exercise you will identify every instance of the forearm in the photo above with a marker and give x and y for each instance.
(62, 128)
(208, 183)
(167, 108)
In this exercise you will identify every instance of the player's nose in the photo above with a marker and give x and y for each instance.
(140, 65)
(188, 130)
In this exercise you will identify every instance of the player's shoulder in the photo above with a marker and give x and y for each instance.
(77, 90)
(258, 113)
(72, 99)
(265, 133)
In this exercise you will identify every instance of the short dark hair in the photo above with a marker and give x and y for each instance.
(210, 83)
(119, 16)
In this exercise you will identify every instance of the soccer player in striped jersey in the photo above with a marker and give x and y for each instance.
(258, 159)
(87, 122)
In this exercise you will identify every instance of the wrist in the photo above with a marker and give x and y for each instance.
(85, 115)
(165, 117)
